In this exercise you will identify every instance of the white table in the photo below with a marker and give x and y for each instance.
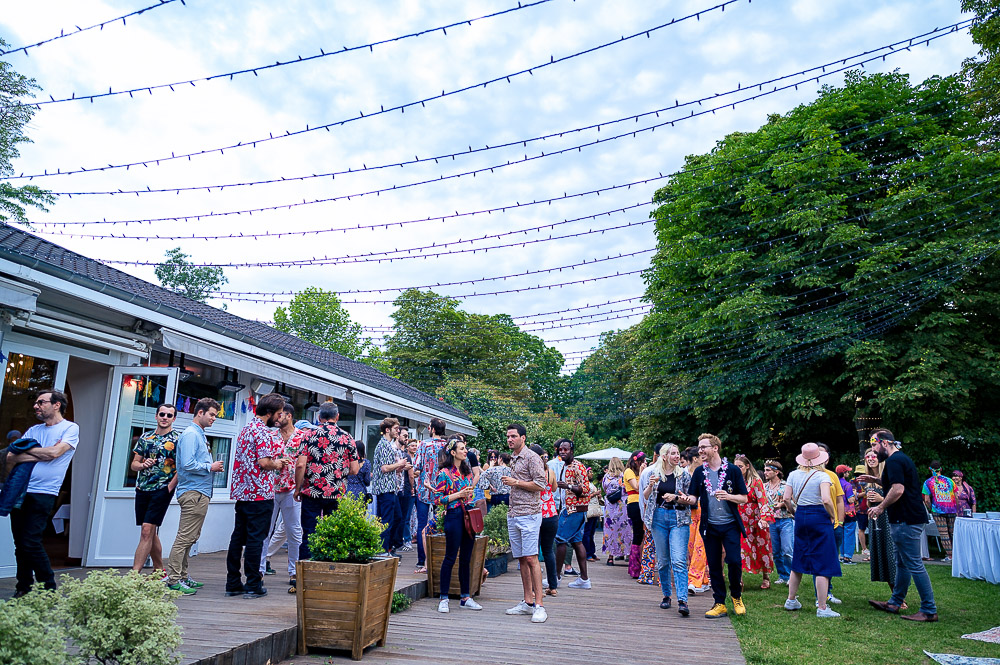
(975, 549)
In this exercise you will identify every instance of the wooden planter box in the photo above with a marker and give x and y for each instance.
(435, 555)
(497, 565)
(344, 605)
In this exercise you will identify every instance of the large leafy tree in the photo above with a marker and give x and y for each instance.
(434, 340)
(179, 274)
(15, 90)
(845, 251)
(318, 316)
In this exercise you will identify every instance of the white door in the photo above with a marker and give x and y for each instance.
(135, 394)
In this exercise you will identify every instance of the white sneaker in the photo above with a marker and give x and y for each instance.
(405, 548)
(443, 606)
(830, 598)
(521, 608)
(827, 614)
(691, 589)
(545, 584)
(793, 604)
(470, 604)
(539, 615)
(579, 583)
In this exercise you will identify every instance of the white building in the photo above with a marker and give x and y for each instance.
(119, 346)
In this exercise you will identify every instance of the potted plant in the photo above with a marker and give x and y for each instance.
(345, 591)
(498, 540)
(435, 555)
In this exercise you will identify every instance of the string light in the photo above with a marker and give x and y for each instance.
(63, 34)
(939, 32)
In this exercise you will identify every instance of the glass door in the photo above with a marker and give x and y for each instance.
(135, 394)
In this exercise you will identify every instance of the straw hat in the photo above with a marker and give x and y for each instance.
(812, 455)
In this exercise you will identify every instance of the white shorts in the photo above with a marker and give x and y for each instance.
(524, 534)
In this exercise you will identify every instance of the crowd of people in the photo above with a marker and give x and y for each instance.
(689, 520)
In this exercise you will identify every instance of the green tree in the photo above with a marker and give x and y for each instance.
(983, 73)
(318, 316)
(192, 281)
(15, 90)
(844, 250)
(433, 340)
(598, 386)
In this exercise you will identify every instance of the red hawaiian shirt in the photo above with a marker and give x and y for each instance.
(286, 477)
(577, 474)
(329, 452)
(250, 482)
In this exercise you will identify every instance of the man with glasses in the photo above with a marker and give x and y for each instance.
(155, 459)
(194, 492)
(57, 439)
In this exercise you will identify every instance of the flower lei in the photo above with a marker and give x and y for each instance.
(722, 475)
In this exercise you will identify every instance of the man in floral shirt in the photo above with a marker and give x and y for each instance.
(259, 453)
(284, 503)
(426, 467)
(155, 458)
(327, 457)
(572, 519)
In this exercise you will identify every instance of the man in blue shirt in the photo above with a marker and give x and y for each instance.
(194, 492)
(58, 438)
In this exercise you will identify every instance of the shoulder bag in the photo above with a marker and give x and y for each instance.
(795, 501)
(473, 521)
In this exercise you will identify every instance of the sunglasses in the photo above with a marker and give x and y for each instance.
(164, 414)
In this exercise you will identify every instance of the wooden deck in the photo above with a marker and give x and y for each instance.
(617, 611)
(616, 621)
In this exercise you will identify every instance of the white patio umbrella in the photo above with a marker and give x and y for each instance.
(607, 454)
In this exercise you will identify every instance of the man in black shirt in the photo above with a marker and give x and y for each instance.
(907, 517)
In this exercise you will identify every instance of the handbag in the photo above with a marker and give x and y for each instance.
(615, 496)
(473, 521)
(795, 501)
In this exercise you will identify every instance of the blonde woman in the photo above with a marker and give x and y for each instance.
(668, 514)
(617, 529)
(815, 550)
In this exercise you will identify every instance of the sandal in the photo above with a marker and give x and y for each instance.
(766, 584)
(551, 592)
(421, 570)
(611, 561)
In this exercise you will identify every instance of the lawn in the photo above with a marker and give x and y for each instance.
(769, 635)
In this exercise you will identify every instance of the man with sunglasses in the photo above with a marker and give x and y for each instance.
(155, 459)
(57, 438)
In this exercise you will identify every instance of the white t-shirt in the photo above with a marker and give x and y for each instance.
(47, 477)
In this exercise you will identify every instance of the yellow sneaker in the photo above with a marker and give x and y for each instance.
(718, 610)
(739, 607)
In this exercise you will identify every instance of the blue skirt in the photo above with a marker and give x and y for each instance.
(815, 551)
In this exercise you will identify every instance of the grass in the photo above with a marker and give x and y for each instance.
(769, 635)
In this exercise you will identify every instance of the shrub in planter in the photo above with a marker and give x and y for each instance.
(30, 632)
(345, 593)
(121, 619)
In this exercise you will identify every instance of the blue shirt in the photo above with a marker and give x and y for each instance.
(47, 477)
(194, 462)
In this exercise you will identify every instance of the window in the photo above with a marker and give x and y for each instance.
(136, 413)
(220, 447)
(24, 377)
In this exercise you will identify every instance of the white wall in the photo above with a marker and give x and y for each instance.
(88, 383)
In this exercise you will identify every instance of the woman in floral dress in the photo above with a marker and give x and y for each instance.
(697, 558)
(757, 516)
(617, 528)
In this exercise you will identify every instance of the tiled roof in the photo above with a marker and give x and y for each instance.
(16, 242)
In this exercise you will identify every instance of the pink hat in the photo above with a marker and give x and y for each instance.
(812, 455)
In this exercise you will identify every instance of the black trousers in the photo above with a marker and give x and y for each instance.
(457, 545)
(547, 541)
(589, 529)
(389, 512)
(635, 516)
(253, 520)
(27, 524)
(312, 510)
(717, 537)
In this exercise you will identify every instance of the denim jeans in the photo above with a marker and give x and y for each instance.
(458, 545)
(406, 508)
(27, 524)
(850, 540)
(782, 545)
(387, 505)
(422, 510)
(671, 541)
(589, 529)
(312, 510)
(907, 539)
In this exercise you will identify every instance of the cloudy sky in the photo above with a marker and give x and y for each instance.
(423, 226)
